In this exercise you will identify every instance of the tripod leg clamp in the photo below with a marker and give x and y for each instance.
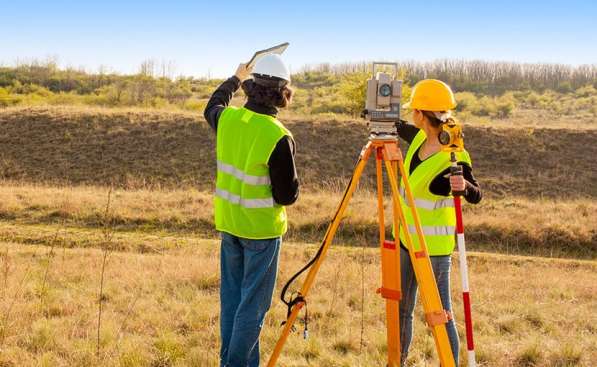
(390, 293)
(438, 317)
(421, 254)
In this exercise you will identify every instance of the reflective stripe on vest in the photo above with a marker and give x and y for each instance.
(247, 203)
(248, 179)
(428, 204)
(434, 230)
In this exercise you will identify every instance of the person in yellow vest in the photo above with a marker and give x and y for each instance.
(428, 173)
(256, 178)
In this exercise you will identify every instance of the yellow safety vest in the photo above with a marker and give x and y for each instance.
(244, 204)
(435, 212)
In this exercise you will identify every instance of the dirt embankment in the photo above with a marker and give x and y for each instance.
(161, 149)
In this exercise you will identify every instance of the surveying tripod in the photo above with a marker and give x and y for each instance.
(386, 152)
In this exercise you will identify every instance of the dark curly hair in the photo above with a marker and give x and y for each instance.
(268, 96)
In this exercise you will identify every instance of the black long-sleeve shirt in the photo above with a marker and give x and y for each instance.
(440, 185)
(282, 168)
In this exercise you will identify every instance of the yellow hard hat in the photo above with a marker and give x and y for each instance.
(431, 95)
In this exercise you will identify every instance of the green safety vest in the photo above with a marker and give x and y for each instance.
(436, 212)
(244, 204)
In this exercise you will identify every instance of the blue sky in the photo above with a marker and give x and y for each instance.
(202, 37)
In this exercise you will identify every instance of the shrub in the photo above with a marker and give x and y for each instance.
(406, 92)
(586, 91)
(331, 106)
(352, 90)
(532, 99)
(339, 89)
(505, 105)
(6, 99)
(194, 105)
(486, 107)
(466, 101)
(299, 100)
(65, 99)
(159, 102)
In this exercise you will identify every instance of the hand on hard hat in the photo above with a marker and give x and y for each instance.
(243, 72)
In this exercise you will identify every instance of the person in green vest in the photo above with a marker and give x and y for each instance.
(256, 179)
(428, 173)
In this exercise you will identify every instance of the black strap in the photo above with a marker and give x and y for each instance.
(269, 81)
(293, 301)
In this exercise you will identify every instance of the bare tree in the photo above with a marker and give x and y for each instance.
(148, 68)
(482, 76)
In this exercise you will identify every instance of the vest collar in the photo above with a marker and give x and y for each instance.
(260, 108)
(428, 168)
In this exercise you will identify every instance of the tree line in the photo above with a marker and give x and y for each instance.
(485, 88)
(482, 76)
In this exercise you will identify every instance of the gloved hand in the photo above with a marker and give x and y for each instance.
(458, 183)
(401, 123)
(243, 72)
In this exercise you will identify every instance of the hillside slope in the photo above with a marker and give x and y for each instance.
(160, 149)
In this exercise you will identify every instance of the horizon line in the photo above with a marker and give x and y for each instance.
(171, 64)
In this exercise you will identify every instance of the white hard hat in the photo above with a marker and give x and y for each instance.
(272, 65)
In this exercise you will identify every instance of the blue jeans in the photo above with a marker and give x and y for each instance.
(248, 275)
(441, 269)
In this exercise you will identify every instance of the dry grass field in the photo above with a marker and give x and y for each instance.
(534, 241)
(161, 309)
(30, 214)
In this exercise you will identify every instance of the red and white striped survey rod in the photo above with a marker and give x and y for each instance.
(466, 298)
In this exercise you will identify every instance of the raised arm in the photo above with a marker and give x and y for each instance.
(406, 131)
(221, 98)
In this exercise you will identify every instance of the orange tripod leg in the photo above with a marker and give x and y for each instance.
(390, 272)
(434, 311)
(333, 227)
